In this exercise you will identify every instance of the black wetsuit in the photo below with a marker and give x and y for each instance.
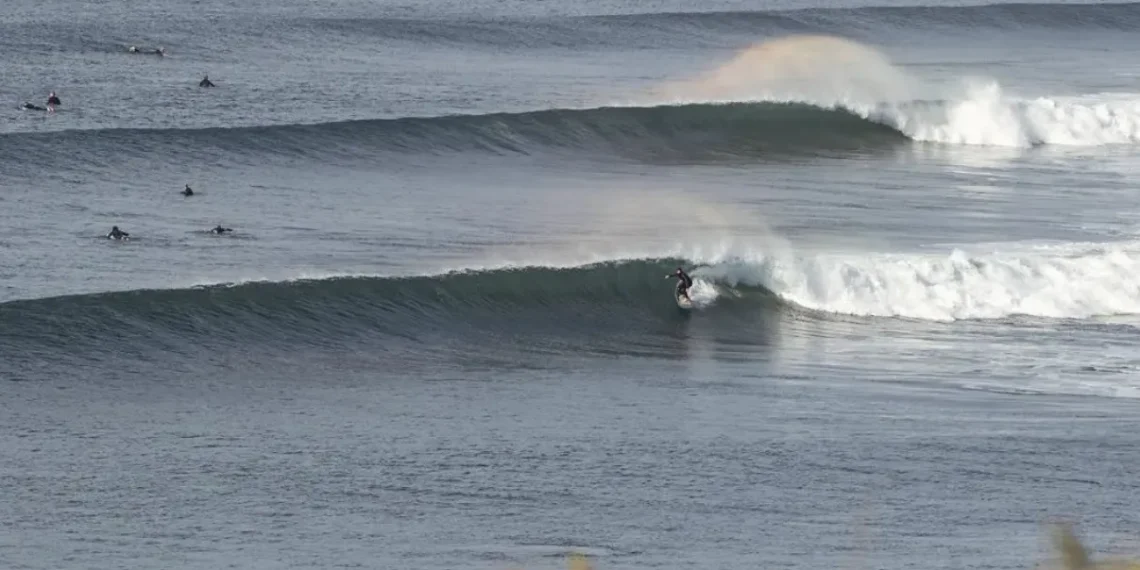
(187, 191)
(205, 82)
(683, 283)
(220, 230)
(116, 233)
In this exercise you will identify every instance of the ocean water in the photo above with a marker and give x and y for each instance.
(441, 334)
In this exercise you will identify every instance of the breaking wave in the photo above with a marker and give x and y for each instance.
(672, 133)
(616, 303)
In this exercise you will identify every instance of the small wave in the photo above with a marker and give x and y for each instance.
(651, 29)
(869, 19)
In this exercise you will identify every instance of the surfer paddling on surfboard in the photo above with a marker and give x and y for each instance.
(683, 284)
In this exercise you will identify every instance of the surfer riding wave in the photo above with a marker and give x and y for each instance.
(684, 282)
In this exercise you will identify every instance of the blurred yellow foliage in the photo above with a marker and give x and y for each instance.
(1074, 555)
(578, 562)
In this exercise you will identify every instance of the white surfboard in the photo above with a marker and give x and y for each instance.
(683, 302)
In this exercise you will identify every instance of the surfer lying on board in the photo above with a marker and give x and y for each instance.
(683, 283)
(158, 51)
(116, 233)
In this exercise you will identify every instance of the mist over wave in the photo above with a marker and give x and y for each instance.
(837, 73)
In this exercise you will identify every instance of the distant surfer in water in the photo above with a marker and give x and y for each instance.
(116, 233)
(205, 82)
(187, 191)
(683, 283)
(53, 100)
(160, 52)
(220, 230)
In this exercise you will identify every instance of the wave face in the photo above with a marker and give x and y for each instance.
(612, 308)
(618, 306)
(677, 132)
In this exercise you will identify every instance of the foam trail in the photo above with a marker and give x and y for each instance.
(1065, 282)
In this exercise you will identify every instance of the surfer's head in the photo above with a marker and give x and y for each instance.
(679, 271)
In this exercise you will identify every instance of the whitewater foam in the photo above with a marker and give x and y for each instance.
(985, 115)
(1072, 281)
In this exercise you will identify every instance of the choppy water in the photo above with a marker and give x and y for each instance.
(441, 335)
